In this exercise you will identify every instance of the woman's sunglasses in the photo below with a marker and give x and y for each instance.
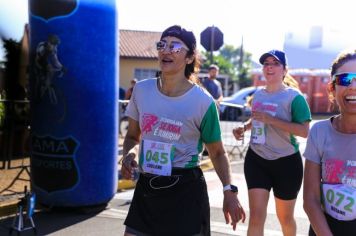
(173, 47)
(344, 79)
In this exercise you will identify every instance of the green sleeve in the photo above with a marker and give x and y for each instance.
(300, 110)
(210, 125)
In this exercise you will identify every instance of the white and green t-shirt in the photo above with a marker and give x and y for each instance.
(287, 104)
(186, 121)
(335, 152)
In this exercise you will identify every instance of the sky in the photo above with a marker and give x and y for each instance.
(262, 24)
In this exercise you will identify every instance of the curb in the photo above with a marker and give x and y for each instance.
(124, 184)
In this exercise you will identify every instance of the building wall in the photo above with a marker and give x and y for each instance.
(128, 66)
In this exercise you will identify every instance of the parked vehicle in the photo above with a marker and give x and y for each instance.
(234, 107)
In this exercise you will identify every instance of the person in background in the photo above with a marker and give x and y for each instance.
(128, 94)
(330, 176)
(213, 85)
(273, 161)
(129, 90)
(122, 106)
(164, 139)
(122, 93)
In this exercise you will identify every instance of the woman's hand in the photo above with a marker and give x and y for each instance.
(262, 116)
(128, 166)
(239, 132)
(233, 211)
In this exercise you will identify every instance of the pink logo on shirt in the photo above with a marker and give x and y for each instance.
(333, 170)
(148, 121)
(169, 127)
(265, 106)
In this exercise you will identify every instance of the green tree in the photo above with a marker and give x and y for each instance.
(12, 65)
(232, 61)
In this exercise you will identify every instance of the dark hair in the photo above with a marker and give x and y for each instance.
(191, 70)
(339, 61)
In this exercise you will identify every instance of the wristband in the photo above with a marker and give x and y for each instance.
(231, 188)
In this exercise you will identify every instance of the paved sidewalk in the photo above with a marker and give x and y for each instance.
(13, 181)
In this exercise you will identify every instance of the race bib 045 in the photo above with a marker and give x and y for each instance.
(156, 157)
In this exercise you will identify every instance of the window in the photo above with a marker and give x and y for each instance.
(141, 74)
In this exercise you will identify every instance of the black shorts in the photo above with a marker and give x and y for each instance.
(338, 227)
(283, 175)
(173, 205)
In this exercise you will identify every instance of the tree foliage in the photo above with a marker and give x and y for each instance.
(12, 68)
(232, 61)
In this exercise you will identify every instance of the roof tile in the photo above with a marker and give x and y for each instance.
(138, 44)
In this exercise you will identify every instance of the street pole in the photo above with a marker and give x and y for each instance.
(212, 43)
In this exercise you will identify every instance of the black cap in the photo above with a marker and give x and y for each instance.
(186, 36)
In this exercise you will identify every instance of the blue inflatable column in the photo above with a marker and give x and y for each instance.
(74, 101)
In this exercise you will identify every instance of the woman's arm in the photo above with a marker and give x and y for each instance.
(130, 148)
(233, 211)
(312, 199)
(297, 129)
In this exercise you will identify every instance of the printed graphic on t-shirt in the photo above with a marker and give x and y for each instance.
(268, 107)
(168, 129)
(162, 127)
(148, 121)
(340, 171)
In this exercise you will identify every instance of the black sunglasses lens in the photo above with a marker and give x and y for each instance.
(344, 79)
(160, 45)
